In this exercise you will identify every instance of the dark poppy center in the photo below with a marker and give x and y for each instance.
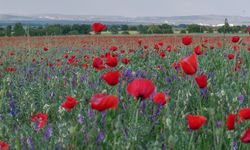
(140, 96)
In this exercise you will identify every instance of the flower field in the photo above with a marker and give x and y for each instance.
(125, 92)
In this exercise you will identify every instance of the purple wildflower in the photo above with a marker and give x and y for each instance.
(168, 79)
(234, 145)
(218, 124)
(11, 104)
(204, 93)
(241, 98)
(103, 118)
(80, 118)
(128, 73)
(47, 133)
(83, 77)
(100, 136)
(30, 143)
(91, 113)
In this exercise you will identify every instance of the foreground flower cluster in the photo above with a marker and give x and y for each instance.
(125, 92)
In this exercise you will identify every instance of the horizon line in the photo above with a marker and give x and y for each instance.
(26, 14)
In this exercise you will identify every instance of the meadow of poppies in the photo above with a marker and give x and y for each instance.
(125, 92)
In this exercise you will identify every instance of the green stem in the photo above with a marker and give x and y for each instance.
(191, 139)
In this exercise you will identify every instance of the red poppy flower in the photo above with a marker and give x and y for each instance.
(111, 77)
(236, 48)
(231, 121)
(239, 61)
(70, 103)
(103, 102)
(175, 65)
(10, 69)
(244, 114)
(160, 98)
(45, 49)
(98, 27)
(248, 48)
(162, 54)
(235, 39)
(113, 48)
(86, 57)
(125, 61)
(187, 40)
(139, 42)
(114, 55)
(205, 40)
(40, 118)
(131, 50)
(219, 43)
(196, 122)
(156, 46)
(237, 67)
(189, 64)
(72, 60)
(246, 136)
(212, 47)
(85, 66)
(158, 67)
(103, 55)
(160, 43)
(201, 81)
(141, 88)
(11, 53)
(145, 47)
(107, 54)
(198, 50)
(230, 56)
(169, 48)
(4, 146)
(111, 61)
(122, 51)
(65, 56)
(248, 30)
(98, 63)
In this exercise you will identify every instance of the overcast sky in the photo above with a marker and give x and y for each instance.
(127, 7)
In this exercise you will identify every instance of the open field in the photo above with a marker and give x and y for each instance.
(125, 92)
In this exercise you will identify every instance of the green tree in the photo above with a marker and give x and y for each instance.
(2, 31)
(124, 27)
(37, 31)
(8, 30)
(114, 29)
(54, 29)
(225, 28)
(167, 29)
(132, 28)
(18, 30)
(235, 29)
(195, 28)
(152, 29)
(183, 31)
(66, 29)
(209, 29)
(142, 29)
(85, 29)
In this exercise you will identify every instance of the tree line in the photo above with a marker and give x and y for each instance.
(80, 29)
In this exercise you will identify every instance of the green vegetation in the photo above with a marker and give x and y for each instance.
(80, 29)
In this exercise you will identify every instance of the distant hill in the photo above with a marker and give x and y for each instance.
(213, 20)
